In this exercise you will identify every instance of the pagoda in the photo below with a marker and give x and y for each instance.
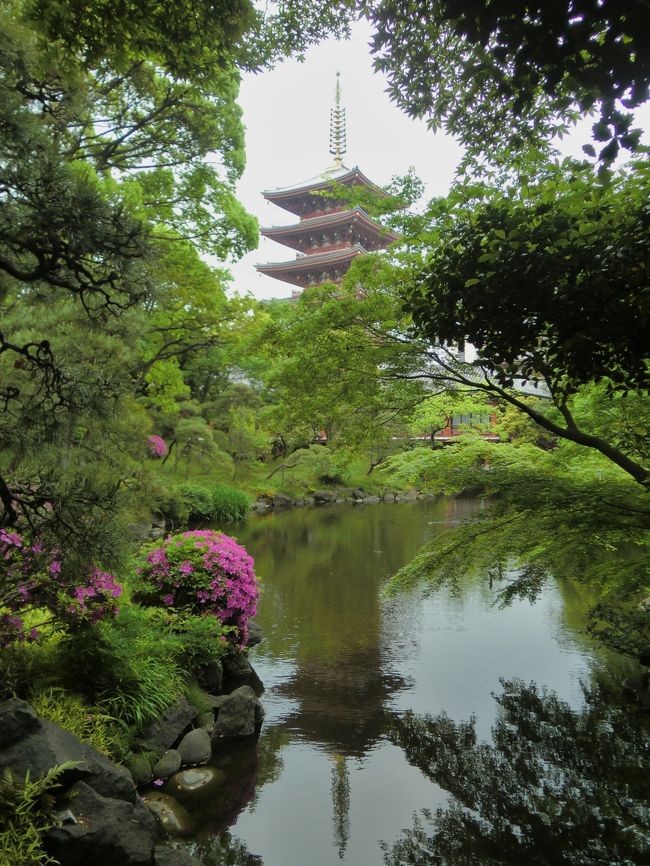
(330, 233)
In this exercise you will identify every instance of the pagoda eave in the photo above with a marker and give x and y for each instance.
(313, 269)
(302, 235)
(295, 198)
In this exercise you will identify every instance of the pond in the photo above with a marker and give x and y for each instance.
(326, 784)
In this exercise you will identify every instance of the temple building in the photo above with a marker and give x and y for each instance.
(331, 232)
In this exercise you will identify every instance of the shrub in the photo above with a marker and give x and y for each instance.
(158, 448)
(199, 639)
(201, 572)
(36, 579)
(229, 504)
(129, 666)
(194, 503)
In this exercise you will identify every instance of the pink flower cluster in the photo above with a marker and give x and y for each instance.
(157, 446)
(202, 571)
(35, 579)
(95, 599)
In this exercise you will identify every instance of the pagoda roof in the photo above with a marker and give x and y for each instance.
(283, 234)
(286, 196)
(290, 271)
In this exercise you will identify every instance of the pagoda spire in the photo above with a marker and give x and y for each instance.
(337, 126)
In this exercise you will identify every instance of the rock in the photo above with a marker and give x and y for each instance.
(29, 743)
(237, 665)
(240, 714)
(255, 633)
(210, 676)
(644, 656)
(260, 506)
(140, 769)
(164, 732)
(374, 499)
(17, 721)
(196, 779)
(216, 701)
(166, 856)
(279, 500)
(169, 764)
(157, 532)
(172, 818)
(645, 604)
(195, 747)
(359, 493)
(108, 831)
(322, 496)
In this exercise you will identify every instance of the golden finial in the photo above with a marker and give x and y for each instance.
(337, 125)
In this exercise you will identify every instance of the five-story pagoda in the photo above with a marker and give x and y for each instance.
(331, 232)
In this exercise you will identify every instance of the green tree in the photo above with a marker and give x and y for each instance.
(563, 513)
(548, 281)
(502, 77)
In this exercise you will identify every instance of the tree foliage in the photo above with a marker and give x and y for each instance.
(495, 73)
(562, 514)
(545, 276)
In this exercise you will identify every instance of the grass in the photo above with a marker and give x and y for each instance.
(69, 710)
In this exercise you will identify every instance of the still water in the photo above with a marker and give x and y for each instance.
(325, 786)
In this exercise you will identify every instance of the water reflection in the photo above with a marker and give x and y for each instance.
(339, 660)
(327, 567)
(555, 787)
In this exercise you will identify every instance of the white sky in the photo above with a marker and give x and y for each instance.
(286, 115)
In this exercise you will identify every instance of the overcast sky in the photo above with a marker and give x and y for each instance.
(286, 115)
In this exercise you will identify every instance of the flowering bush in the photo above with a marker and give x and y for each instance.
(36, 579)
(157, 446)
(202, 572)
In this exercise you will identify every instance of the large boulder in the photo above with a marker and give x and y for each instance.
(197, 779)
(320, 497)
(163, 733)
(105, 831)
(172, 818)
(37, 745)
(236, 664)
(280, 500)
(169, 764)
(239, 714)
(195, 747)
(255, 635)
(210, 676)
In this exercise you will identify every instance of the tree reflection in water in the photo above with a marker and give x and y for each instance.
(556, 787)
(341, 803)
(224, 850)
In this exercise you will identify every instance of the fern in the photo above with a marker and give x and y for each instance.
(25, 816)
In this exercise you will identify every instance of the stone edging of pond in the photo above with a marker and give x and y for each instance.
(340, 496)
(98, 815)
